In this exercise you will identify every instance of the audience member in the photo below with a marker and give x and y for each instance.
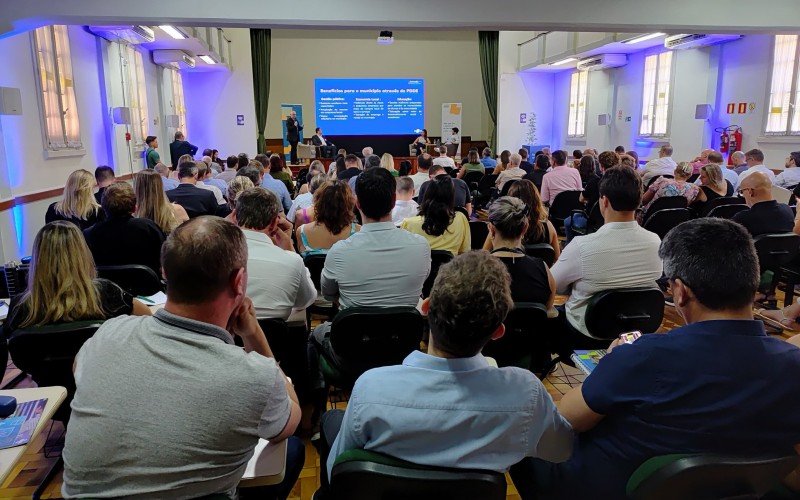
(621, 254)
(561, 178)
(387, 162)
(464, 413)
(576, 158)
(712, 183)
(78, 204)
(187, 350)
(242, 160)
(277, 280)
(487, 159)
(766, 215)
(253, 171)
(473, 164)
(531, 280)
(194, 200)
(404, 205)
(153, 204)
(591, 194)
(438, 222)
(275, 185)
(540, 229)
(366, 153)
(63, 286)
(443, 159)
(278, 172)
(179, 147)
(210, 178)
(541, 166)
(463, 196)
(510, 173)
(504, 163)
(302, 211)
(664, 394)
(586, 169)
(151, 156)
(122, 239)
(104, 177)
(727, 173)
(755, 163)
(424, 163)
(525, 164)
(677, 186)
(739, 163)
(405, 169)
(239, 184)
(352, 168)
(790, 177)
(231, 166)
(620, 150)
(663, 165)
(204, 174)
(701, 160)
(331, 219)
(166, 181)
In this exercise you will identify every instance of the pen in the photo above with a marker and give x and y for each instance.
(145, 299)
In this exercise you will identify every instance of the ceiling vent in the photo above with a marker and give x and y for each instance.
(694, 40)
(129, 34)
(602, 61)
(173, 58)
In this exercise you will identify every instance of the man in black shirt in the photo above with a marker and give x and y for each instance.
(195, 200)
(462, 194)
(525, 164)
(353, 168)
(123, 239)
(766, 216)
(179, 147)
(104, 177)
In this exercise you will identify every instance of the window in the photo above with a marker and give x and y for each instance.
(56, 88)
(577, 104)
(655, 95)
(177, 101)
(135, 92)
(784, 92)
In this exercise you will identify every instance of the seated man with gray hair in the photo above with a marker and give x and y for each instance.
(443, 159)
(512, 173)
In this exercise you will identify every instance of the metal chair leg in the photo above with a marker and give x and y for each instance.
(57, 466)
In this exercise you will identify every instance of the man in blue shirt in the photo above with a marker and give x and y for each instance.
(274, 185)
(487, 159)
(448, 407)
(717, 385)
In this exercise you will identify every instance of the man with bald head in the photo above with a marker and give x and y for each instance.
(766, 216)
(738, 162)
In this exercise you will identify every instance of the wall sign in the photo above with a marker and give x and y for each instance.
(240, 120)
(523, 117)
(742, 108)
(731, 108)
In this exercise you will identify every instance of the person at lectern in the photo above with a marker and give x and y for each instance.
(293, 128)
(326, 148)
(421, 141)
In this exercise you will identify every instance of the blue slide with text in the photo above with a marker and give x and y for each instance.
(370, 106)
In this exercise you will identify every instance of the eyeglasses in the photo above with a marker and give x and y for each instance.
(741, 191)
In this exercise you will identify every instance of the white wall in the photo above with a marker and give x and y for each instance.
(447, 60)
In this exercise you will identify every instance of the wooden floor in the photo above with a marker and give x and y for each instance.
(34, 464)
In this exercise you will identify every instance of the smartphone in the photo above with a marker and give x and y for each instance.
(629, 337)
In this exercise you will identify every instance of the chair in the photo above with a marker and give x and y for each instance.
(16, 277)
(776, 250)
(523, 343)
(438, 258)
(290, 348)
(656, 177)
(663, 221)
(473, 179)
(707, 477)
(133, 278)
(612, 312)
(718, 202)
(563, 205)
(485, 190)
(692, 178)
(314, 263)
(368, 337)
(506, 187)
(452, 149)
(366, 475)
(594, 220)
(542, 251)
(726, 211)
(478, 231)
(306, 151)
(664, 203)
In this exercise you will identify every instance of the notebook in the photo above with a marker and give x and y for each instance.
(781, 195)
(586, 361)
(17, 429)
(266, 460)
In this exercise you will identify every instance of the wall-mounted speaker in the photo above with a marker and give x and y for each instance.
(121, 116)
(604, 120)
(10, 101)
(172, 121)
(702, 112)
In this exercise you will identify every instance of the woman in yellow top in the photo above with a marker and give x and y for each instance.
(438, 222)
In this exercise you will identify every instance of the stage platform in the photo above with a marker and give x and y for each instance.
(327, 161)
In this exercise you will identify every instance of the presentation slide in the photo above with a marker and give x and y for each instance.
(372, 106)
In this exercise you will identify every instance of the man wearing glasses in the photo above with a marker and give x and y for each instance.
(766, 216)
(755, 163)
(790, 177)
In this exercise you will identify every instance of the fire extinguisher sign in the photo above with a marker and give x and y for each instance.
(731, 108)
(742, 108)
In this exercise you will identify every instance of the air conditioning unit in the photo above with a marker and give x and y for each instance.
(602, 61)
(694, 40)
(172, 58)
(129, 34)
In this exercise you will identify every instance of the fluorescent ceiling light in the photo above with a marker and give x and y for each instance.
(563, 61)
(642, 38)
(208, 59)
(173, 32)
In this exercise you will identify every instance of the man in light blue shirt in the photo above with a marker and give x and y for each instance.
(448, 407)
(279, 188)
(163, 171)
(487, 160)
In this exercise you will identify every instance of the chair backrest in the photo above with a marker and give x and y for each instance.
(663, 221)
(665, 203)
(473, 176)
(594, 220)
(612, 312)
(723, 200)
(707, 476)
(16, 278)
(368, 337)
(486, 183)
(726, 211)
(478, 231)
(524, 343)
(656, 177)
(775, 250)
(506, 187)
(543, 251)
(563, 205)
(452, 149)
(47, 354)
(134, 278)
(315, 263)
(363, 475)
(438, 257)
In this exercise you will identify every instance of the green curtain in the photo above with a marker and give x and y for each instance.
(261, 47)
(488, 50)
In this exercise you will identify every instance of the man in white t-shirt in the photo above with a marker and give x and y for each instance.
(424, 164)
(404, 206)
(663, 165)
(443, 159)
(755, 163)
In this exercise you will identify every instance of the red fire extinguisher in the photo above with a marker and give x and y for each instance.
(724, 140)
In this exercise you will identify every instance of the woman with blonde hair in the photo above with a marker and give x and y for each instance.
(387, 162)
(334, 203)
(78, 204)
(152, 202)
(238, 184)
(713, 185)
(63, 285)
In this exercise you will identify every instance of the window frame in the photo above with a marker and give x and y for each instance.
(60, 59)
(794, 96)
(669, 96)
(134, 87)
(579, 120)
(178, 99)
